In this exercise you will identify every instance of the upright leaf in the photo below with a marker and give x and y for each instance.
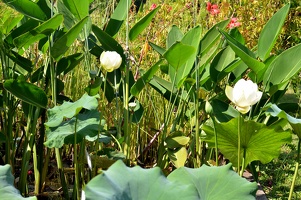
(178, 54)
(28, 8)
(220, 62)
(175, 34)
(79, 8)
(244, 53)
(41, 31)
(270, 32)
(146, 77)
(294, 122)
(117, 18)
(284, 66)
(64, 42)
(108, 43)
(212, 36)
(142, 24)
(27, 92)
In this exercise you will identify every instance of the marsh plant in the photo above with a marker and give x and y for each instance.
(205, 105)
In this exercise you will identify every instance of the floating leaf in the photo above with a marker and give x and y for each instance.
(215, 183)
(7, 188)
(122, 183)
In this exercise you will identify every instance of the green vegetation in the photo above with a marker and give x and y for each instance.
(66, 115)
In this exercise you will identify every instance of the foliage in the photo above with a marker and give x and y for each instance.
(167, 100)
(183, 183)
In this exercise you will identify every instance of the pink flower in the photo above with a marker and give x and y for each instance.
(153, 6)
(233, 23)
(212, 8)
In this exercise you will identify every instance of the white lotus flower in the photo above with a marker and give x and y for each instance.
(110, 60)
(243, 95)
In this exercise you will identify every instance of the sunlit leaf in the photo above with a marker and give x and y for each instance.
(270, 32)
(146, 77)
(283, 67)
(142, 24)
(117, 18)
(258, 141)
(62, 44)
(215, 183)
(28, 8)
(275, 111)
(70, 109)
(123, 183)
(244, 53)
(41, 31)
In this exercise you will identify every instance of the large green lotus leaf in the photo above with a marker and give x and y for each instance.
(27, 92)
(39, 32)
(68, 110)
(215, 183)
(270, 32)
(85, 125)
(123, 183)
(294, 122)
(7, 188)
(260, 142)
(142, 24)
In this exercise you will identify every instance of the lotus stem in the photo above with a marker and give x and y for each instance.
(296, 172)
(238, 142)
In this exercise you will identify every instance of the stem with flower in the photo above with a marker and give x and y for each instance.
(244, 94)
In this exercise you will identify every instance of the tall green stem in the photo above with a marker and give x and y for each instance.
(296, 172)
(238, 142)
(126, 91)
(76, 188)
